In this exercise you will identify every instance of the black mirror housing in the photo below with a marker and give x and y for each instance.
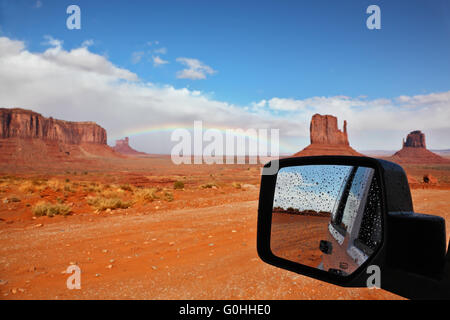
(412, 253)
(417, 243)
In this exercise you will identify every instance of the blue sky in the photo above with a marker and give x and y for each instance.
(260, 50)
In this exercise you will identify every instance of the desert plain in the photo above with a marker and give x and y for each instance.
(144, 228)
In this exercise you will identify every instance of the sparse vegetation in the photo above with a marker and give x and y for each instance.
(168, 196)
(50, 209)
(69, 188)
(112, 193)
(236, 185)
(56, 185)
(13, 199)
(126, 187)
(31, 187)
(178, 185)
(208, 185)
(146, 194)
(102, 203)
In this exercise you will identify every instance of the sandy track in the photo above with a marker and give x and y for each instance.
(206, 253)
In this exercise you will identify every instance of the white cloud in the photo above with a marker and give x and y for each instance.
(10, 47)
(260, 104)
(196, 69)
(316, 102)
(429, 111)
(157, 61)
(52, 42)
(137, 56)
(76, 59)
(87, 43)
(80, 85)
(160, 51)
(378, 123)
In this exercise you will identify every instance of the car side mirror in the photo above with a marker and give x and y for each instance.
(341, 219)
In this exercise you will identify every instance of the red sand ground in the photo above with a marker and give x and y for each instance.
(201, 245)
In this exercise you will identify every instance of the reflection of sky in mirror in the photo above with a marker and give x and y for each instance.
(310, 187)
(355, 203)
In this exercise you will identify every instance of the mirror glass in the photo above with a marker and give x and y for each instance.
(326, 216)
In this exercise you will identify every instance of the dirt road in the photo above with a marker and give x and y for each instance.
(205, 253)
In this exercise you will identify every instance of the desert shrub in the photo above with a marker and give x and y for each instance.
(146, 194)
(93, 187)
(55, 185)
(208, 185)
(69, 188)
(114, 193)
(168, 196)
(50, 209)
(102, 203)
(13, 199)
(178, 185)
(38, 182)
(29, 187)
(126, 187)
(236, 185)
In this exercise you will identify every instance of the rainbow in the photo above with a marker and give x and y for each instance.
(169, 127)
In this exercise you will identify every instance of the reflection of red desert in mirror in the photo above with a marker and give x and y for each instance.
(296, 237)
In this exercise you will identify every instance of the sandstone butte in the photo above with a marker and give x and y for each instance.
(123, 146)
(327, 139)
(414, 150)
(28, 137)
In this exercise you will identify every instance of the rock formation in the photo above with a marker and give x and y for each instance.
(122, 146)
(30, 140)
(324, 130)
(416, 139)
(414, 151)
(20, 123)
(327, 139)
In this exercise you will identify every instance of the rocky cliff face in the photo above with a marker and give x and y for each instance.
(324, 130)
(123, 146)
(29, 142)
(20, 123)
(415, 139)
(327, 139)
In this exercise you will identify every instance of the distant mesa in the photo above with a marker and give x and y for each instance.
(327, 139)
(123, 146)
(25, 124)
(414, 150)
(29, 139)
